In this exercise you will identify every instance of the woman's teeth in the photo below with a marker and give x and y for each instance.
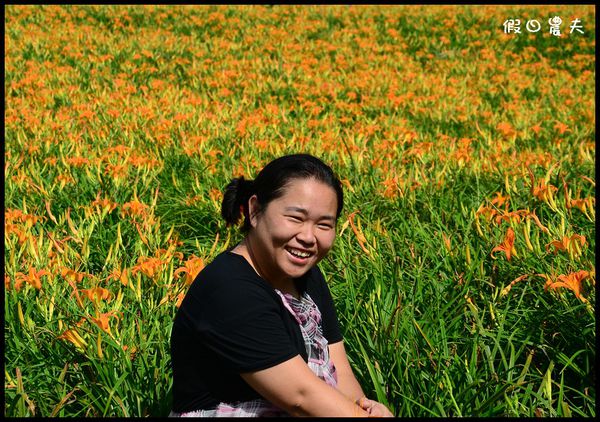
(299, 254)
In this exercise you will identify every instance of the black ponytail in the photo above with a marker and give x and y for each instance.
(235, 200)
(271, 182)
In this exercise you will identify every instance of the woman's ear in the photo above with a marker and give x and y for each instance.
(253, 210)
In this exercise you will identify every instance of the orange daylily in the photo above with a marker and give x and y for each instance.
(391, 187)
(505, 129)
(499, 199)
(16, 215)
(33, 278)
(121, 275)
(134, 208)
(512, 283)
(104, 204)
(507, 246)
(537, 222)
(180, 297)
(447, 242)
(72, 276)
(116, 171)
(13, 228)
(571, 244)
(77, 161)
(543, 190)
(561, 127)
(509, 216)
(74, 337)
(168, 254)
(119, 149)
(99, 292)
(191, 269)
(102, 320)
(148, 265)
(570, 281)
(582, 203)
(358, 232)
(536, 128)
(487, 212)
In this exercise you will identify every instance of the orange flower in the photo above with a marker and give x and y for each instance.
(505, 129)
(509, 216)
(11, 215)
(12, 228)
(180, 297)
(169, 254)
(119, 149)
(512, 283)
(77, 161)
(122, 276)
(72, 276)
(561, 127)
(571, 244)
(17, 215)
(362, 240)
(543, 191)
(536, 129)
(73, 336)
(33, 278)
(537, 222)
(487, 212)
(99, 292)
(570, 281)
(191, 269)
(583, 204)
(507, 246)
(102, 320)
(117, 171)
(134, 208)
(148, 265)
(447, 242)
(391, 187)
(499, 199)
(104, 204)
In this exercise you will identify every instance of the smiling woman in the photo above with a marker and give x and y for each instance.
(257, 333)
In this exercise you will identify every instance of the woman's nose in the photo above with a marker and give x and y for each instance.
(307, 234)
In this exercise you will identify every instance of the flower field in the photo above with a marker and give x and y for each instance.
(464, 267)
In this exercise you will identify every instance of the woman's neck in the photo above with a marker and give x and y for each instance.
(244, 248)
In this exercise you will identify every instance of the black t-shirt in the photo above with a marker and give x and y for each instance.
(232, 321)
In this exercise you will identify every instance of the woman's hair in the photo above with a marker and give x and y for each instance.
(271, 182)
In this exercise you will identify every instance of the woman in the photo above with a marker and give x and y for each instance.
(257, 333)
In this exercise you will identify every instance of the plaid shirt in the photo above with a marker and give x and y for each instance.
(308, 316)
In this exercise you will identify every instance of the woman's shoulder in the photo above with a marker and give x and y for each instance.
(229, 272)
(226, 284)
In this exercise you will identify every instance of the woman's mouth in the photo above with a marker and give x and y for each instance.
(299, 255)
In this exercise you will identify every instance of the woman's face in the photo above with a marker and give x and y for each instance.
(295, 231)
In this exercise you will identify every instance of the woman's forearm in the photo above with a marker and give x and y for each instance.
(327, 401)
(293, 387)
(347, 383)
(349, 386)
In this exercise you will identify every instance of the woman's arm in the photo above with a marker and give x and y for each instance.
(347, 383)
(293, 387)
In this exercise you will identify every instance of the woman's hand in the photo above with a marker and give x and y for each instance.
(374, 408)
